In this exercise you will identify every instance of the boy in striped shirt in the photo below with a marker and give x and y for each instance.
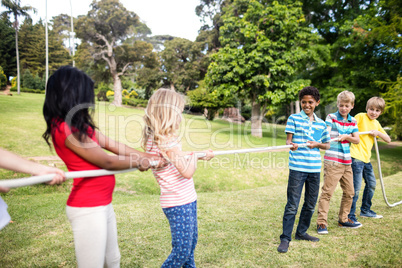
(337, 163)
(304, 166)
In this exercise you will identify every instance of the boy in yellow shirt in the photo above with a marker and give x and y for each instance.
(361, 154)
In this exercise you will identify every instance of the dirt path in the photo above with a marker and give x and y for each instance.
(392, 144)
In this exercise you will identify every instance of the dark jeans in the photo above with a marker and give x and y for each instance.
(184, 231)
(362, 171)
(297, 180)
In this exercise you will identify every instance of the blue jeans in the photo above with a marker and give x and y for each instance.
(362, 170)
(297, 180)
(184, 231)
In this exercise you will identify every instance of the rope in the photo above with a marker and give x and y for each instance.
(380, 173)
(15, 183)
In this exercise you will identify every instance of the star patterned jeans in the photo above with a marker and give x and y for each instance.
(184, 231)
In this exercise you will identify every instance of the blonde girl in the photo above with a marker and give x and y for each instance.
(178, 198)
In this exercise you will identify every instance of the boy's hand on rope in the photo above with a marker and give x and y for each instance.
(343, 137)
(375, 133)
(312, 144)
(294, 147)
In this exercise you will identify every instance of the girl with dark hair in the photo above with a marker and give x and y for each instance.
(69, 101)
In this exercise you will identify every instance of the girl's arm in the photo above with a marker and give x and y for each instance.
(14, 162)
(93, 153)
(185, 166)
(122, 149)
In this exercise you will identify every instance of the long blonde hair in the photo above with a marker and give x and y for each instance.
(161, 116)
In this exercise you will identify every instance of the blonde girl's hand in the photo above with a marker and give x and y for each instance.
(209, 154)
(59, 178)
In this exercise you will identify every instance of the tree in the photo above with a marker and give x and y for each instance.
(61, 26)
(33, 56)
(262, 49)
(182, 64)
(7, 48)
(146, 66)
(106, 25)
(202, 99)
(365, 45)
(393, 100)
(14, 8)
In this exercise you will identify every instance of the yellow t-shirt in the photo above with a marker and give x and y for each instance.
(362, 150)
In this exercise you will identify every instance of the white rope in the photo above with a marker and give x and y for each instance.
(15, 183)
(265, 149)
(380, 173)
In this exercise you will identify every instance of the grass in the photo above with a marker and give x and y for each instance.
(240, 202)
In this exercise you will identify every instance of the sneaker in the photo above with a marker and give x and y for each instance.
(307, 237)
(349, 224)
(371, 214)
(354, 219)
(322, 229)
(283, 247)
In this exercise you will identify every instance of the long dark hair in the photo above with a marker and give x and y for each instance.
(69, 97)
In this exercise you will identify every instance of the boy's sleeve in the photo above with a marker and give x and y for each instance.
(290, 125)
(328, 121)
(355, 128)
(379, 128)
(325, 136)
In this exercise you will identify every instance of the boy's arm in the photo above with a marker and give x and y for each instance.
(352, 138)
(289, 137)
(314, 144)
(326, 144)
(384, 136)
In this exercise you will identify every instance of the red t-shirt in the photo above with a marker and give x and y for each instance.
(86, 192)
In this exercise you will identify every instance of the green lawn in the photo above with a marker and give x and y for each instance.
(241, 201)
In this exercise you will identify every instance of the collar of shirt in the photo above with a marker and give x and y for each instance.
(304, 116)
(340, 117)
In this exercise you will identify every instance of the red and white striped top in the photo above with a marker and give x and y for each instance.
(175, 189)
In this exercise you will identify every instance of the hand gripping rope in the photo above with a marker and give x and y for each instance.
(15, 183)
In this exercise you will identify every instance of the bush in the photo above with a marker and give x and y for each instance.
(125, 93)
(33, 82)
(109, 93)
(133, 94)
(29, 90)
(3, 78)
(135, 102)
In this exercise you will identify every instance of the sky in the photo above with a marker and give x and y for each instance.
(172, 17)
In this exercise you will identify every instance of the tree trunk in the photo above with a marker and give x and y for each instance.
(297, 106)
(256, 119)
(18, 62)
(117, 90)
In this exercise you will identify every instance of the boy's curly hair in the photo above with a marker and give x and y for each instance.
(309, 91)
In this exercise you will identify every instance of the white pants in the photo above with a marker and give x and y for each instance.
(95, 236)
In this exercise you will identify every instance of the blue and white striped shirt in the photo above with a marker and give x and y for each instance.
(303, 130)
